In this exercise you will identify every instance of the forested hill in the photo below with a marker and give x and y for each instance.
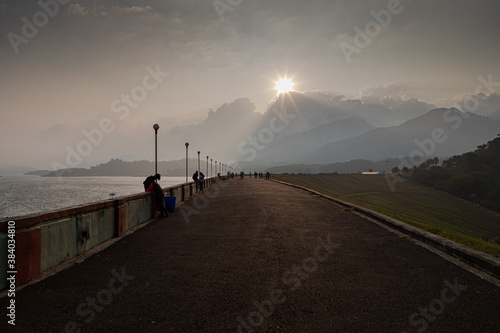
(474, 176)
(117, 167)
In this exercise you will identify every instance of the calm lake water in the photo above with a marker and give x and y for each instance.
(22, 195)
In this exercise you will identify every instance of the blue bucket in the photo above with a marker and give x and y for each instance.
(170, 203)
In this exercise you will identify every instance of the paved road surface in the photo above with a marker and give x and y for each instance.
(258, 256)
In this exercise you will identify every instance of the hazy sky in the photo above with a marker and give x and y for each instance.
(67, 65)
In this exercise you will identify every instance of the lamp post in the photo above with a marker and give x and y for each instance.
(187, 145)
(198, 163)
(211, 165)
(207, 167)
(216, 168)
(156, 127)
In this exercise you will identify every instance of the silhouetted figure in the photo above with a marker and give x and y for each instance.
(151, 185)
(196, 180)
(202, 181)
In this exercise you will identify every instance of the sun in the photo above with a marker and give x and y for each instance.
(284, 85)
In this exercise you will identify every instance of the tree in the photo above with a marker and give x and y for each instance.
(472, 175)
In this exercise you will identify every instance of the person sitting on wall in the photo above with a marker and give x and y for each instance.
(151, 185)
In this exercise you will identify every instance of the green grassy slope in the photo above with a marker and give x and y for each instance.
(434, 211)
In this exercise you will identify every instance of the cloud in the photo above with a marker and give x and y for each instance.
(134, 9)
(382, 106)
(241, 108)
(57, 131)
(481, 104)
(100, 10)
(376, 94)
(77, 9)
(392, 96)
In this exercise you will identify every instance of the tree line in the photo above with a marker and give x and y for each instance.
(118, 167)
(474, 176)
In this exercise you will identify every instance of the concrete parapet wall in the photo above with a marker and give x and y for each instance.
(48, 239)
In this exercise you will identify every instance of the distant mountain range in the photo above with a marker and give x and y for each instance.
(117, 167)
(304, 129)
(317, 118)
(436, 133)
(288, 148)
(38, 173)
(354, 166)
(440, 132)
(15, 170)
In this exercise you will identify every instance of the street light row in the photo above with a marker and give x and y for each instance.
(222, 167)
